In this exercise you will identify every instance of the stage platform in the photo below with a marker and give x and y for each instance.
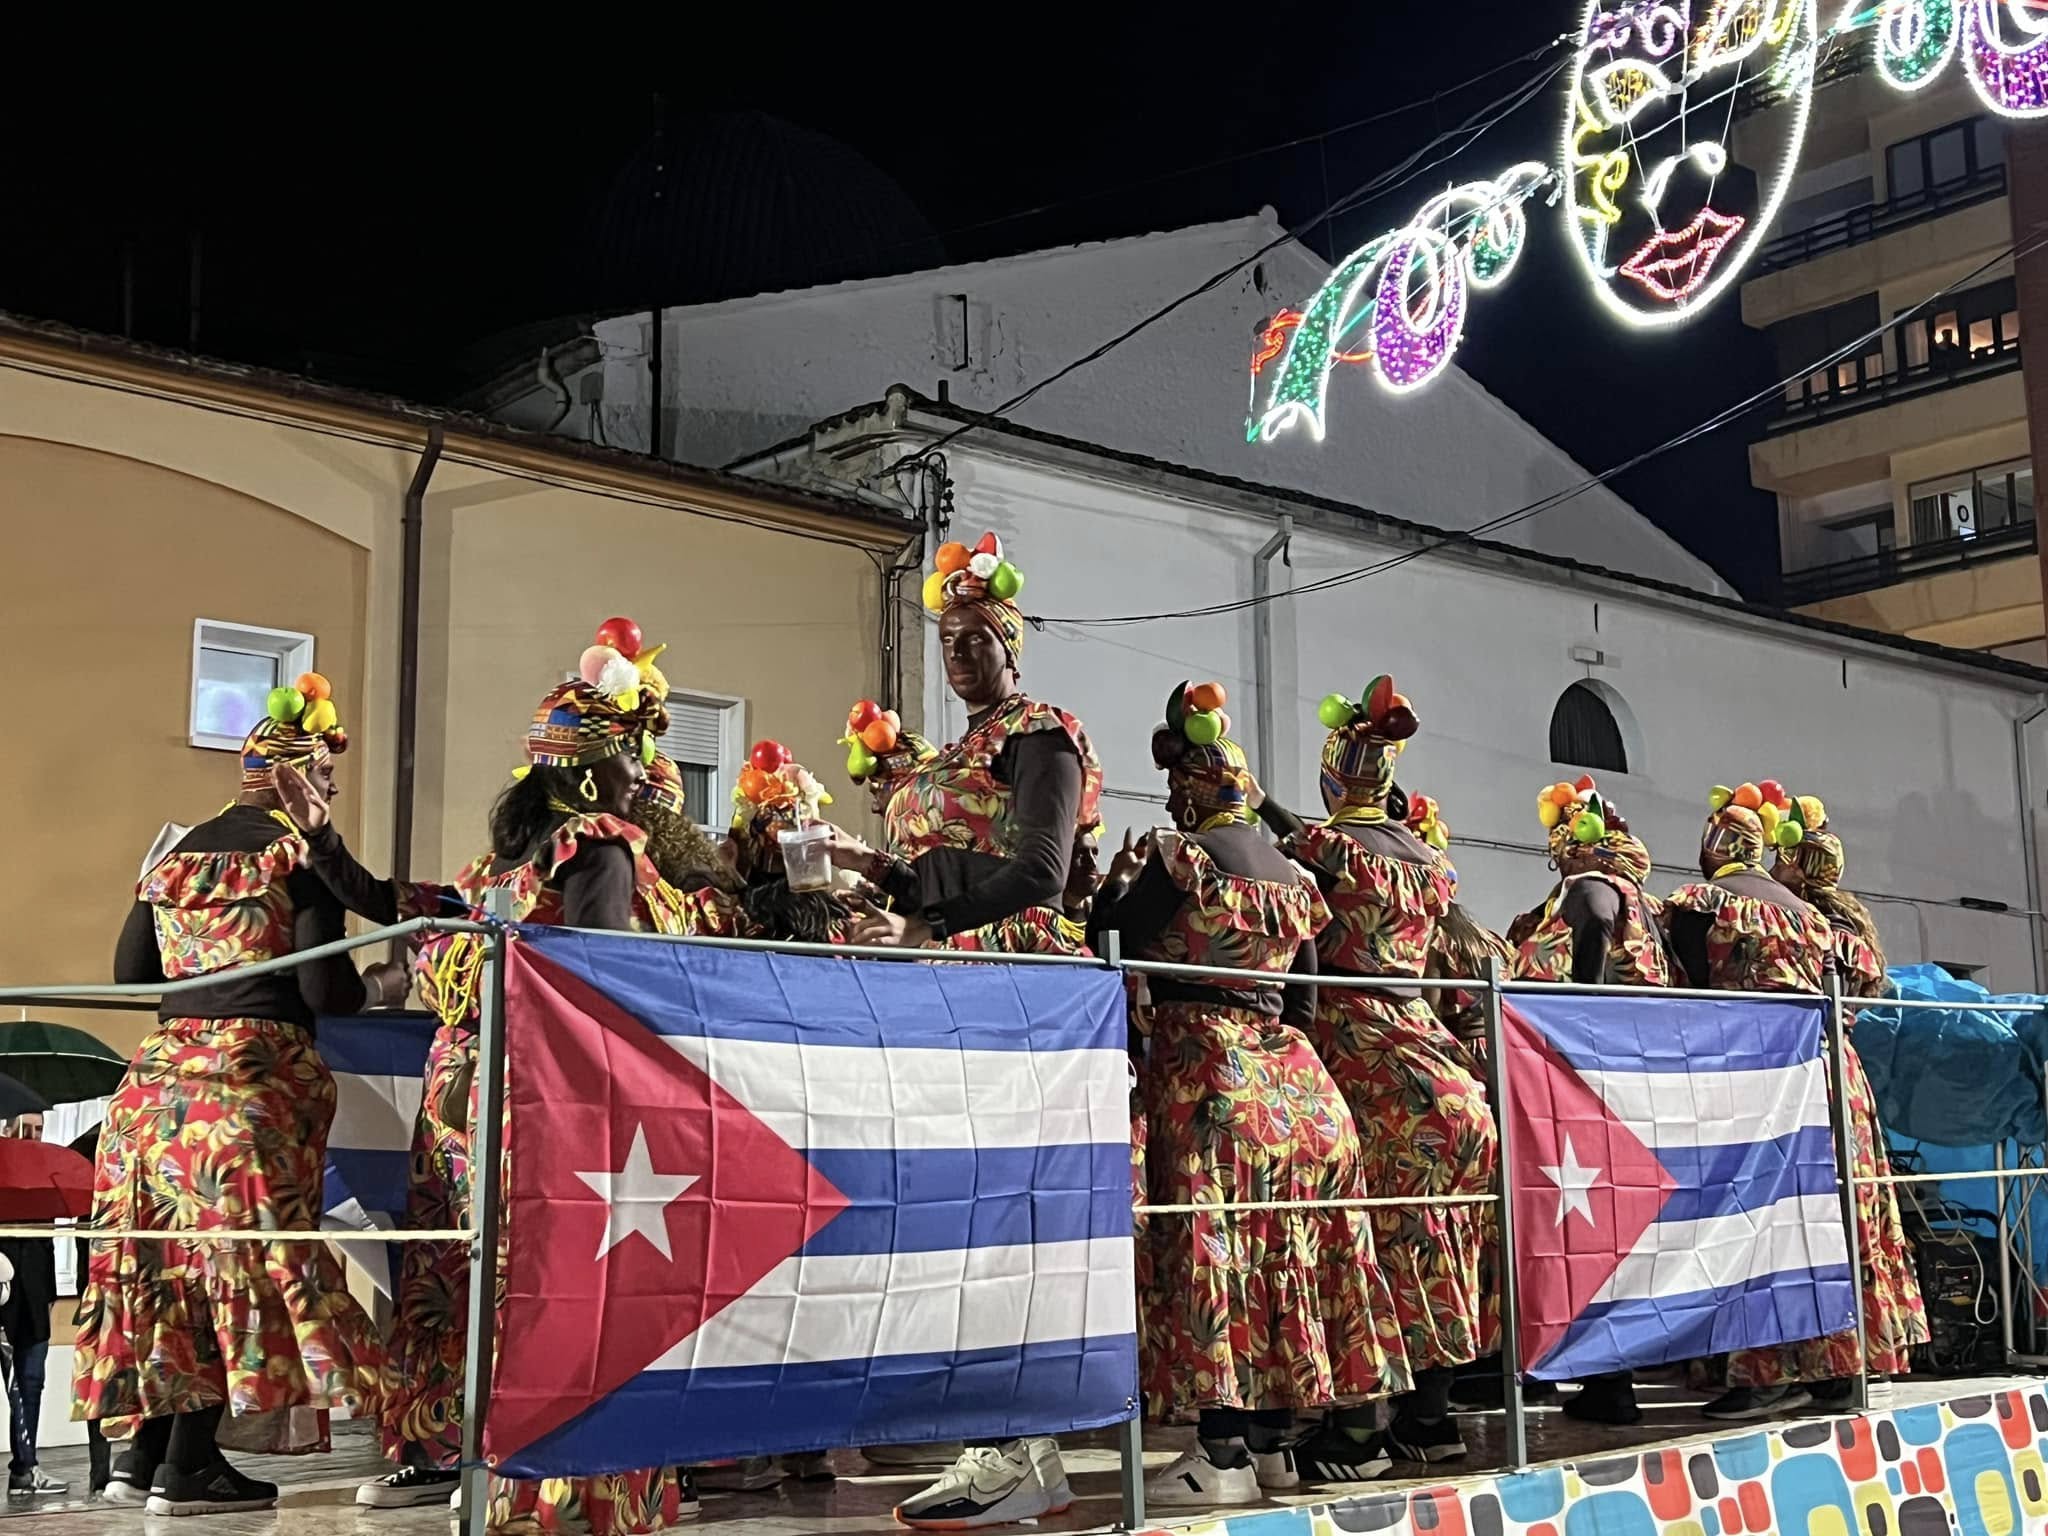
(1951, 1457)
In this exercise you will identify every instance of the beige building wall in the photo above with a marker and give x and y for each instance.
(137, 497)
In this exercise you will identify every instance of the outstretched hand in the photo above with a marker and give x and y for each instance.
(1130, 858)
(306, 806)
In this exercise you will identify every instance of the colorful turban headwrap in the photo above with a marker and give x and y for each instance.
(1206, 770)
(1588, 833)
(575, 726)
(767, 803)
(983, 582)
(1819, 858)
(1366, 736)
(662, 787)
(301, 728)
(1745, 821)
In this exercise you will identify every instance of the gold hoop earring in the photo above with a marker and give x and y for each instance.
(588, 788)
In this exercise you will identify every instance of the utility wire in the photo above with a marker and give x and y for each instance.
(2015, 253)
(1415, 164)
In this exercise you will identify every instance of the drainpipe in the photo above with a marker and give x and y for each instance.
(2029, 845)
(1262, 638)
(413, 522)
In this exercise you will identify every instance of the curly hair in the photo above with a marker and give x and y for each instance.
(524, 817)
(681, 852)
(1465, 945)
(804, 917)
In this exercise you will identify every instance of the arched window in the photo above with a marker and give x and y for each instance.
(1584, 732)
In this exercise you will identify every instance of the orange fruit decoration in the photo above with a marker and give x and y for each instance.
(951, 557)
(314, 686)
(879, 735)
(1206, 696)
(1748, 796)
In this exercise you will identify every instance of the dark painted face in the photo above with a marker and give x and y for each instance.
(616, 778)
(977, 666)
(1659, 212)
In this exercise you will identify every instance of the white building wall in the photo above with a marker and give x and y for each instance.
(743, 375)
(1917, 767)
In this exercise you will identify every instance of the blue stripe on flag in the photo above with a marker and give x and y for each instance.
(891, 1400)
(1672, 1034)
(969, 1197)
(1748, 1176)
(1788, 1305)
(381, 1045)
(681, 989)
(375, 1178)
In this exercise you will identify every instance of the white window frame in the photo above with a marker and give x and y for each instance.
(716, 818)
(292, 651)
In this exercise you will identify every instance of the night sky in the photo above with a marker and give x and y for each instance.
(375, 221)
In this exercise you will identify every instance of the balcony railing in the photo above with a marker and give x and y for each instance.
(1869, 387)
(1888, 567)
(1859, 225)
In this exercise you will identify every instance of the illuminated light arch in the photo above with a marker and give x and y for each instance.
(1470, 237)
(1915, 40)
(2009, 71)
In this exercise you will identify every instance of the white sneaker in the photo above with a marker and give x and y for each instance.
(409, 1486)
(992, 1485)
(1276, 1469)
(1196, 1480)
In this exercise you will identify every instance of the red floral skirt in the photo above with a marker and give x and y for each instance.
(219, 1123)
(429, 1343)
(1426, 1129)
(1258, 1309)
(1894, 1316)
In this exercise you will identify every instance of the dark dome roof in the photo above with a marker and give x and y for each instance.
(728, 204)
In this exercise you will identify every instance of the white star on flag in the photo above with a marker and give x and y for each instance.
(1572, 1182)
(638, 1198)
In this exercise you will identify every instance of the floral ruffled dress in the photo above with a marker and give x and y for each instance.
(429, 1332)
(220, 1123)
(1756, 946)
(1636, 955)
(1421, 1111)
(1264, 1309)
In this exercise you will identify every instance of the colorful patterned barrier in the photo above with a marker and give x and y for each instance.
(1972, 1466)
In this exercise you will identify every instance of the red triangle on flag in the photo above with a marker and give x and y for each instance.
(598, 1101)
(1579, 1209)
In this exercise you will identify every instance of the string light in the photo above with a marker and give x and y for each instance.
(2004, 44)
(1915, 41)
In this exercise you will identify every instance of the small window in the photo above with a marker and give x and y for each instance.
(234, 667)
(705, 738)
(1584, 732)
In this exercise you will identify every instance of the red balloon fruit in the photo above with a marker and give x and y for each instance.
(622, 635)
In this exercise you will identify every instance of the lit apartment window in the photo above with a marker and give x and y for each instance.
(234, 667)
(1974, 502)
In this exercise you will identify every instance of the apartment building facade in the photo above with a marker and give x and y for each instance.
(1903, 471)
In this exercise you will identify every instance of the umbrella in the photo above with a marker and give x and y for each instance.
(41, 1181)
(62, 1064)
(17, 1099)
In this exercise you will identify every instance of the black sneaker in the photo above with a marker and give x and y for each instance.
(1413, 1440)
(1331, 1456)
(34, 1481)
(1604, 1402)
(128, 1481)
(213, 1490)
(409, 1486)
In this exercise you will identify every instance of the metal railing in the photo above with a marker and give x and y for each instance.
(1887, 567)
(1495, 988)
(1872, 388)
(1874, 220)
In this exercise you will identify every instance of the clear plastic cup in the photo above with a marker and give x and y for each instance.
(807, 857)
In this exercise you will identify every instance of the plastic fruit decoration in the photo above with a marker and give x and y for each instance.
(1548, 812)
(284, 705)
(337, 740)
(1205, 729)
(951, 557)
(860, 762)
(320, 716)
(622, 635)
(770, 756)
(313, 686)
(882, 733)
(753, 783)
(591, 664)
(1379, 697)
(649, 751)
(989, 544)
(935, 591)
(1005, 581)
(1747, 797)
(1336, 712)
(1206, 696)
(862, 715)
(1584, 784)
(1773, 793)
(1589, 826)
(1719, 797)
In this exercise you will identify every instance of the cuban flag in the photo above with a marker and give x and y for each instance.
(1674, 1180)
(764, 1203)
(379, 1063)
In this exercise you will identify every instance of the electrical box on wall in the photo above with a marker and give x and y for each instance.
(1589, 655)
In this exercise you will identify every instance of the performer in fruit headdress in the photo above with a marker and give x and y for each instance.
(1420, 1109)
(563, 845)
(1598, 924)
(777, 794)
(1894, 1314)
(1462, 945)
(1741, 930)
(221, 1122)
(985, 834)
(1245, 1320)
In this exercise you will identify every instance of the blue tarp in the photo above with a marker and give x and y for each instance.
(1965, 1076)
